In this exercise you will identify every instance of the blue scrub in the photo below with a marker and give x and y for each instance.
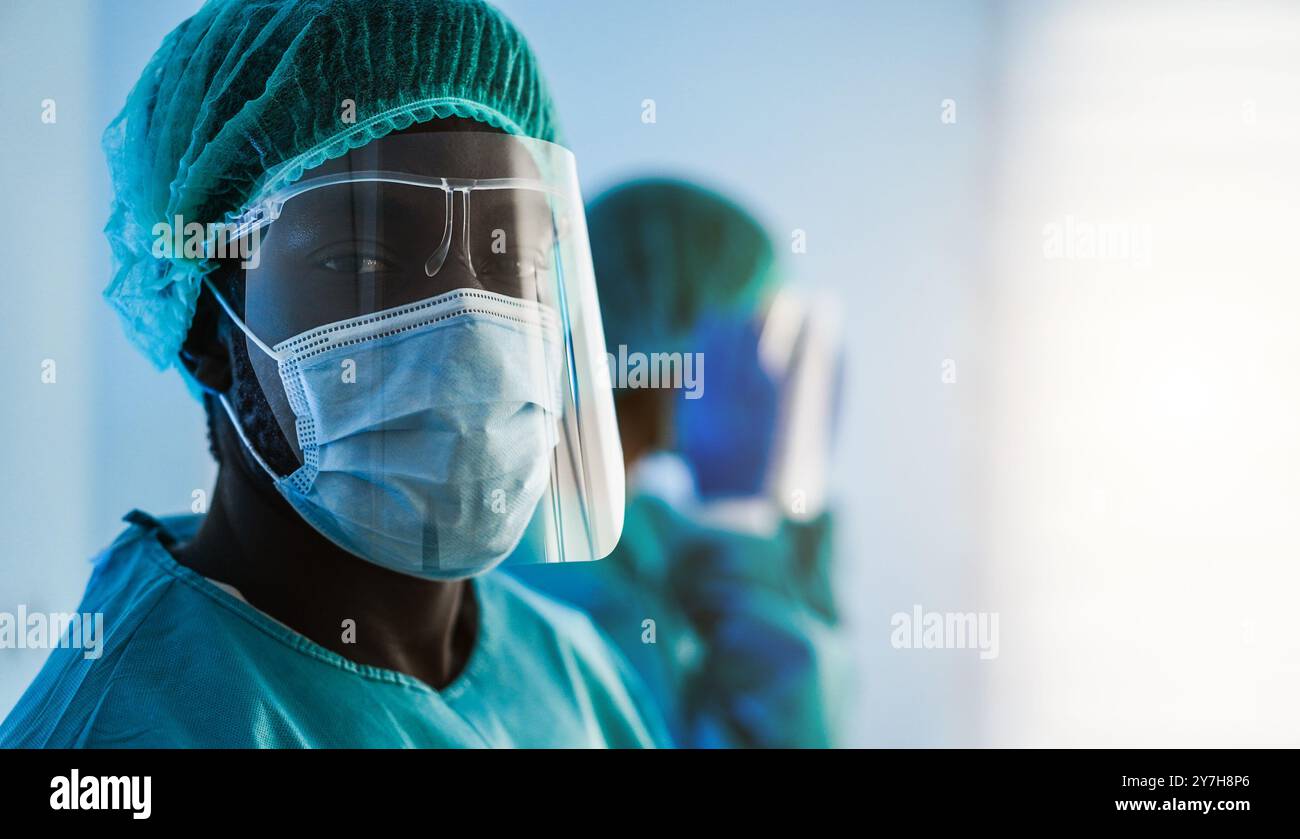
(184, 663)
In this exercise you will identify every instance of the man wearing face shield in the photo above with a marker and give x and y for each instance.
(388, 326)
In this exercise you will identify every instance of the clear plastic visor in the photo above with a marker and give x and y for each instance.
(422, 317)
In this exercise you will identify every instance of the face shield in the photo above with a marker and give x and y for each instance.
(422, 317)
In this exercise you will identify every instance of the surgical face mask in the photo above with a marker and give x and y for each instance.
(426, 430)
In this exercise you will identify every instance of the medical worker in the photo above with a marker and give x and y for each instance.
(350, 226)
(719, 591)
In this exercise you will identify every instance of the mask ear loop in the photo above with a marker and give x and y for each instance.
(243, 327)
(221, 397)
(243, 437)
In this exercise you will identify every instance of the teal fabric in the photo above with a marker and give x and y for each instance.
(667, 251)
(246, 94)
(623, 592)
(777, 666)
(185, 663)
(747, 649)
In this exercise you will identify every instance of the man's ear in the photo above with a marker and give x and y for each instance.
(205, 353)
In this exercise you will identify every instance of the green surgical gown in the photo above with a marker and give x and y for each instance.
(735, 635)
(185, 663)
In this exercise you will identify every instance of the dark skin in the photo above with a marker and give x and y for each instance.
(253, 540)
(645, 421)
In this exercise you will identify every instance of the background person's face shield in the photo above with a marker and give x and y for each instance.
(764, 427)
(422, 317)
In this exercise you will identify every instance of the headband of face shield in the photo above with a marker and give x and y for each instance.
(421, 315)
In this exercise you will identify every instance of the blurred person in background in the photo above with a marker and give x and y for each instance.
(719, 591)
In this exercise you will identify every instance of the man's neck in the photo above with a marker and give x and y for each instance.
(253, 540)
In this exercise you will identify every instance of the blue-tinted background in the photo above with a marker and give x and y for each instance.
(823, 119)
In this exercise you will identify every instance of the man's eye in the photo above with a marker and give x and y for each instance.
(355, 264)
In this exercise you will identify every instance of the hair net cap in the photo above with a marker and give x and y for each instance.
(667, 251)
(247, 94)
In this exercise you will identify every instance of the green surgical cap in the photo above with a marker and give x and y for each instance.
(665, 252)
(247, 94)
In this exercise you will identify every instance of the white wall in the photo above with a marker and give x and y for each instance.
(1143, 461)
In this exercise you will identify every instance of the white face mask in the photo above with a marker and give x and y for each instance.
(427, 454)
